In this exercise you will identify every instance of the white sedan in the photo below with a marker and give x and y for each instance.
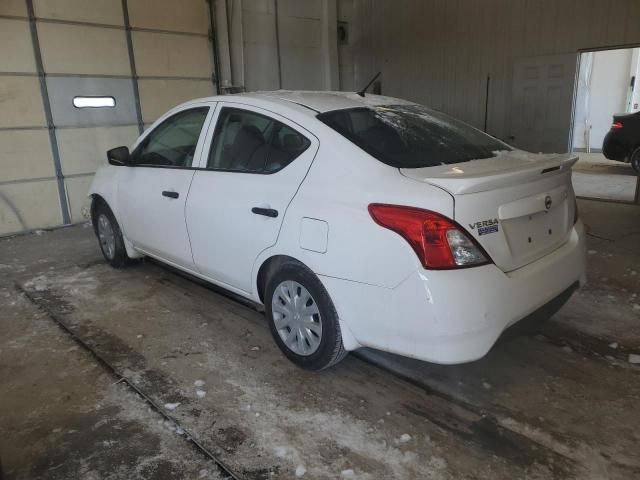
(356, 221)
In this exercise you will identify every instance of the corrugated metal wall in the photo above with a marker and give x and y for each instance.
(436, 52)
(52, 51)
(273, 44)
(440, 52)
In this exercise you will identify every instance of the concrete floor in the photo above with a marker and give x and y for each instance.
(560, 403)
(596, 177)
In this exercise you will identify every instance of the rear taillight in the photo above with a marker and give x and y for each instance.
(617, 126)
(439, 242)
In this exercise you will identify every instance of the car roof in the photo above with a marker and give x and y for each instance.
(312, 102)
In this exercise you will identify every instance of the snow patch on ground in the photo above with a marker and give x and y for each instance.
(285, 425)
(81, 284)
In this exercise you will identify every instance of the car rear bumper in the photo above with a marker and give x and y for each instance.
(615, 149)
(456, 316)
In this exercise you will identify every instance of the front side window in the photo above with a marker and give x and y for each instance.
(246, 141)
(412, 136)
(173, 142)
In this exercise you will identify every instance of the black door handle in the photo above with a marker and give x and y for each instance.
(267, 212)
(166, 193)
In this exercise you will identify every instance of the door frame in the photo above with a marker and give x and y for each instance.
(636, 196)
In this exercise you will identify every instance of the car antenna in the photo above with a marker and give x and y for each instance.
(362, 92)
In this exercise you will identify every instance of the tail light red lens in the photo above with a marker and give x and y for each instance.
(617, 126)
(439, 242)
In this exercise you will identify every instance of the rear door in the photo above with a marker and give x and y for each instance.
(252, 167)
(542, 102)
(152, 191)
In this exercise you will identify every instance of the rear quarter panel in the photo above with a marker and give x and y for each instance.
(340, 185)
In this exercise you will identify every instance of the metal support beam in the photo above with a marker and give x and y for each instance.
(213, 32)
(132, 65)
(277, 32)
(55, 151)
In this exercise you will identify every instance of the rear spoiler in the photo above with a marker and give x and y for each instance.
(504, 170)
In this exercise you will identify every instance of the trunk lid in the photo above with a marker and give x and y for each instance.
(519, 206)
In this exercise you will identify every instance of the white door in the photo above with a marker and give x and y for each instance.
(152, 192)
(542, 102)
(236, 204)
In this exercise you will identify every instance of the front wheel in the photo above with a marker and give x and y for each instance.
(635, 160)
(302, 318)
(110, 237)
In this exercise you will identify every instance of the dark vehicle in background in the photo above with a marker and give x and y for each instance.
(622, 142)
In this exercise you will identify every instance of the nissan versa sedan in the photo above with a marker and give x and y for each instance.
(355, 220)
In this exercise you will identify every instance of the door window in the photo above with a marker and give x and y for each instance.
(173, 142)
(246, 141)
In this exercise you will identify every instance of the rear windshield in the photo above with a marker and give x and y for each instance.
(412, 136)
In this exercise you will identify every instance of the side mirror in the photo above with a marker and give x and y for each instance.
(118, 156)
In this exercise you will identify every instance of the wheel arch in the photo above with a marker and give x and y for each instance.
(272, 264)
(269, 266)
(96, 201)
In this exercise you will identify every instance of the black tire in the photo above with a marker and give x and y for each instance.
(331, 350)
(118, 258)
(635, 160)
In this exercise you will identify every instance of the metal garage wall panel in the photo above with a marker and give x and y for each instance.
(440, 53)
(172, 55)
(20, 102)
(16, 49)
(63, 89)
(301, 54)
(82, 150)
(16, 8)
(158, 96)
(81, 49)
(259, 56)
(26, 206)
(92, 11)
(305, 9)
(182, 16)
(25, 154)
(300, 32)
(77, 190)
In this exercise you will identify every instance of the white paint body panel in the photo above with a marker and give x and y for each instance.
(226, 237)
(384, 297)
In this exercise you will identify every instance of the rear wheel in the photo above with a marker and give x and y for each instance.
(302, 318)
(635, 160)
(109, 236)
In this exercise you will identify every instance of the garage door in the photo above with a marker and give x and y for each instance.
(136, 58)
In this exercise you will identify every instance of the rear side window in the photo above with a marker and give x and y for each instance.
(411, 136)
(246, 141)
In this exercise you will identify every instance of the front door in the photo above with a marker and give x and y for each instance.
(152, 192)
(237, 202)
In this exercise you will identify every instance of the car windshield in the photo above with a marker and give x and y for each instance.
(412, 136)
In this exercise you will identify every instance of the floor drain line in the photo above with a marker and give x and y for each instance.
(224, 469)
